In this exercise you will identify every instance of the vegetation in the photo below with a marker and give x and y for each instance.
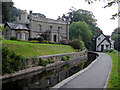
(40, 39)
(6, 11)
(64, 58)
(35, 49)
(80, 30)
(83, 15)
(113, 79)
(13, 38)
(64, 41)
(116, 38)
(10, 61)
(77, 44)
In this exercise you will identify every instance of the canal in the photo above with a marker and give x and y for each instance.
(48, 78)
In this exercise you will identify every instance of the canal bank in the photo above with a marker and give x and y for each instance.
(94, 76)
(48, 78)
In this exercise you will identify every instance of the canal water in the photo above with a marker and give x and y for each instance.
(48, 78)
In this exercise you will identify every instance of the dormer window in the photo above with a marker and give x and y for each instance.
(39, 28)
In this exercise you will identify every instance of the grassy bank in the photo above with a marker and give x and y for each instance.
(113, 79)
(36, 49)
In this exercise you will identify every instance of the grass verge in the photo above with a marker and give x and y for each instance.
(36, 49)
(113, 78)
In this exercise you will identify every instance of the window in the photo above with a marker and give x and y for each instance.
(59, 29)
(39, 28)
(99, 38)
(18, 36)
(50, 28)
(23, 36)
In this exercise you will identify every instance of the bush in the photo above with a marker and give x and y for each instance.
(10, 61)
(13, 38)
(43, 62)
(76, 44)
(40, 39)
(68, 57)
(45, 41)
(34, 41)
(50, 60)
(64, 58)
(64, 41)
(51, 42)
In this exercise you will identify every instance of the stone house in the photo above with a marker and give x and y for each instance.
(102, 42)
(34, 26)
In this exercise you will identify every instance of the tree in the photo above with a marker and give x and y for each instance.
(14, 12)
(6, 11)
(83, 15)
(81, 31)
(116, 38)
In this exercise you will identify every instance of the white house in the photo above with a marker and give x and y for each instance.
(102, 42)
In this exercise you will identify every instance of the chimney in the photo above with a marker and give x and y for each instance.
(17, 18)
(98, 32)
(24, 16)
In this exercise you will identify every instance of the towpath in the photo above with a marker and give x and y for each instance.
(95, 76)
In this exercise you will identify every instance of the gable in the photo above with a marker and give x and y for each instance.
(104, 42)
(99, 39)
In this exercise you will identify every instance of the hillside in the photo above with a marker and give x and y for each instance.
(36, 49)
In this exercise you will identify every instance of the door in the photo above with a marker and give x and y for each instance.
(55, 38)
(102, 48)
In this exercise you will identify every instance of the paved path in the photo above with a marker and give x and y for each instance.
(94, 77)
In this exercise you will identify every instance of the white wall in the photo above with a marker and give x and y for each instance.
(105, 42)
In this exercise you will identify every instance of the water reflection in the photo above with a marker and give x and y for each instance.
(50, 78)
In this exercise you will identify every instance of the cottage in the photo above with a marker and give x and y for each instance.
(102, 42)
(35, 26)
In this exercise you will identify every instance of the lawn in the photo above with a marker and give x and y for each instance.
(36, 49)
(113, 79)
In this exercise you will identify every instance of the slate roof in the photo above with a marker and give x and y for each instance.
(17, 26)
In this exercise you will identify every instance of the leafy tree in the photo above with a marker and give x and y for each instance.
(81, 31)
(116, 38)
(6, 11)
(83, 15)
(14, 12)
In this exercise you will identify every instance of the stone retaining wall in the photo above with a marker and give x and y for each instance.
(57, 58)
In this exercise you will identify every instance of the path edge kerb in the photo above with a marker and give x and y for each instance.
(75, 75)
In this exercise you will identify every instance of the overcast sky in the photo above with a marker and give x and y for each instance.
(54, 8)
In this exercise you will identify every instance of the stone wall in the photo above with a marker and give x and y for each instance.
(57, 58)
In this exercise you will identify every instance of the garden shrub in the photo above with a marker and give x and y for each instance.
(40, 39)
(64, 41)
(64, 58)
(51, 42)
(43, 62)
(68, 57)
(50, 60)
(13, 38)
(34, 41)
(77, 44)
(10, 61)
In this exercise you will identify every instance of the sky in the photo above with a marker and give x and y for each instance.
(54, 8)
